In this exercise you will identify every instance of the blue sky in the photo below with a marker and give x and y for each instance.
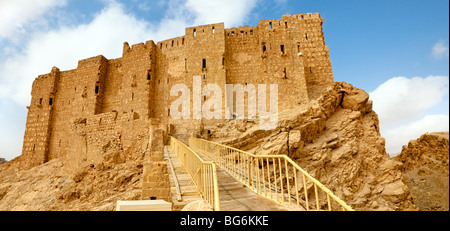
(398, 51)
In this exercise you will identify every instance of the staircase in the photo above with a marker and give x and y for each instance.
(243, 181)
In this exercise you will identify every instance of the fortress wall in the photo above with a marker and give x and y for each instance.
(132, 89)
(135, 91)
(39, 119)
(243, 61)
(317, 63)
(76, 98)
(206, 43)
(170, 70)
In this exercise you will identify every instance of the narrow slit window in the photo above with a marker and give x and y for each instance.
(306, 36)
(149, 76)
(40, 101)
(195, 32)
(96, 89)
(282, 49)
(172, 43)
(270, 25)
(204, 63)
(251, 33)
(223, 61)
(50, 102)
(298, 48)
(182, 41)
(213, 30)
(285, 25)
(285, 76)
(264, 48)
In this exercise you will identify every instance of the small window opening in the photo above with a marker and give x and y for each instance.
(223, 61)
(298, 48)
(203, 31)
(149, 76)
(285, 25)
(306, 36)
(34, 147)
(40, 101)
(167, 80)
(270, 25)
(50, 102)
(213, 30)
(195, 32)
(204, 98)
(310, 70)
(282, 49)
(168, 112)
(152, 198)
(232, 32)
(172, 43)
(182, 41)
(285, 77)
(204, 63)
(251, 33)
(204, 76)
(132, 96)
(264, 48)
(96, 89)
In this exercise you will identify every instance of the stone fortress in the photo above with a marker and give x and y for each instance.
(109, 104)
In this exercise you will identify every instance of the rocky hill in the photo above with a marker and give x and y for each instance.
(426, 170)
(336, 139)
(56, 186)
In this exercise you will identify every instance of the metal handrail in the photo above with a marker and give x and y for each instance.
(203, 173)
(272, 176)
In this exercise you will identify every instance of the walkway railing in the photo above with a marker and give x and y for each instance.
(202, 173)
(276, 177)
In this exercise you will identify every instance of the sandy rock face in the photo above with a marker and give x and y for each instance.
(426, 170)
(56, 186)
(336, 139)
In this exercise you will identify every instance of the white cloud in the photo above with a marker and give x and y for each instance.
(398, 136)
(15, 15)
(231, 12)
(404, 108)
(401, 98)
(439, 50)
